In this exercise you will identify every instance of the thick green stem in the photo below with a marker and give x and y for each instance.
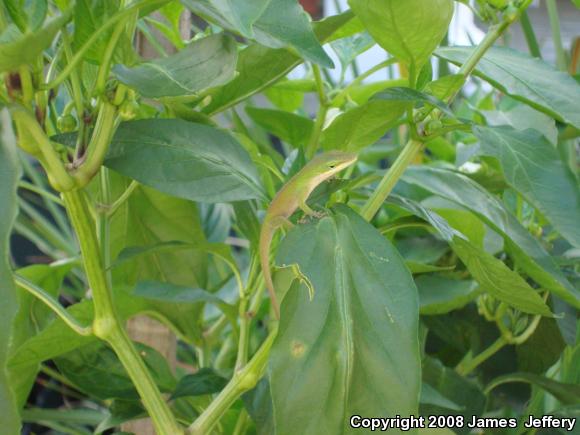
(561, 60)
(391, 178)
(242, 381)
(107, 324)
(99, 145)
(467, 367)
(27, 126)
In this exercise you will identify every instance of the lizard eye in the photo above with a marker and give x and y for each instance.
(332, 166)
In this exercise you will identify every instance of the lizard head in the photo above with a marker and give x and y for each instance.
(332, 162)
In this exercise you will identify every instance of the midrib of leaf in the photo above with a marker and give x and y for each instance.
(345, 313)
(399, 34)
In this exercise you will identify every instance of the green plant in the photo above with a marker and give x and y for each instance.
(423, 289)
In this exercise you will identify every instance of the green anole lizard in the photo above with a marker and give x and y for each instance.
(290, 197)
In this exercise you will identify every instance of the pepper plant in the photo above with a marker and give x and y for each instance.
(441, 276)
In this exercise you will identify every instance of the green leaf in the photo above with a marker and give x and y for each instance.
(529, 253)
(183, 159)
(291, 128)
(543, 349)
(150, 218)
(54, 340)
(259, 67)
(18, 49)
(526, 79)
(347, 49)
(522, 117)
(284, 23)
(96, 370)
(533, 167)
(362, 126)
(411, 96)
(9, 175)
(281, 24)
(492, 274)
(89, 16)
(360, 326)
(430, 396)
(167, 292)
(440, 295)
(203, 64)
(568, 394)
(121, 411)
(455, 388)
(409, 30)
(204, 381)
(17, 13)
(241, 14)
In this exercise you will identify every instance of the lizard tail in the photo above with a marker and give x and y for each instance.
(265, 240)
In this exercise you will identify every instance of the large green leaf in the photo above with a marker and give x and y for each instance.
(360, 326)
(183, 159)
(18, 49)
(150, 218)
(440, 295)
(289, 127)
(281, 24)
(533, 167)
(89, 17)
(525, 78)
(529, 253)
(362, 126)
(9, 175)
(241, 14)
(410, 30)
(492, 274)
(203, 64)
(259, 67)
(284, 23)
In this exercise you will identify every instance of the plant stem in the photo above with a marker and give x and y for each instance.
(107, 325)
(312, 145)
(59, 178)
(391, 178)
(53, 304)
(530, 35)
(414, 145)
(465, 368)
(242, 381)
(97, 149)
(561, 60)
